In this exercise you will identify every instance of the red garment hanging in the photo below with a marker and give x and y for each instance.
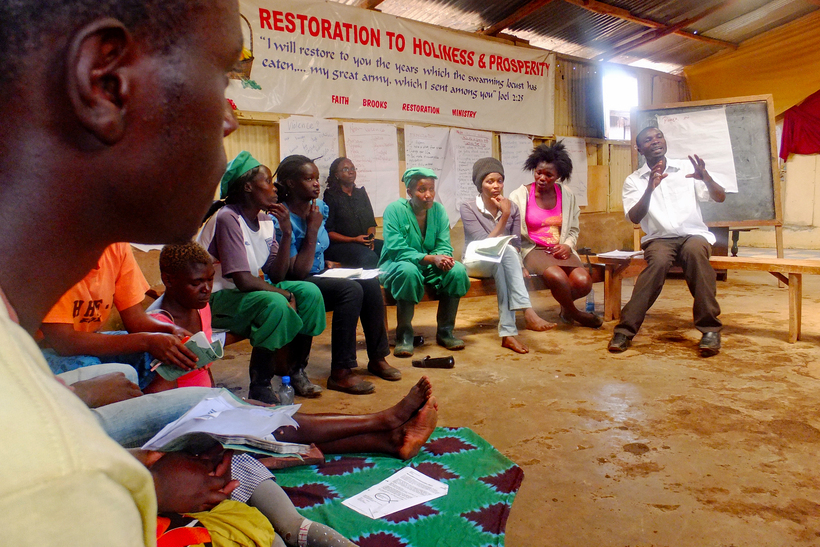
(801, 128)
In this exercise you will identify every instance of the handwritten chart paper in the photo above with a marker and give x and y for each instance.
(577, 150)
(373, 148)
(425, 147)
(464, 147)
(514, 151)
(705, 133)
(315, 138)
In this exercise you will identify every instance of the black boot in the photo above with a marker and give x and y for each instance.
(262, 370)
(446, 322)
(404, 328)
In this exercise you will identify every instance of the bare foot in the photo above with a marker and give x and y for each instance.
(511, 342)
(402, 411)
(533, 321)
(416, 432)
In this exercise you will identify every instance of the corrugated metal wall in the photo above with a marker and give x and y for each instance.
(579, 113)
(579, 109)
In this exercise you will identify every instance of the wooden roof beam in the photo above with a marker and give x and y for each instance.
(606, 9)
(516, 16)
(370, 4)
(664, 31)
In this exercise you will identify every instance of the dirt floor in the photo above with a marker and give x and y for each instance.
(654, 446)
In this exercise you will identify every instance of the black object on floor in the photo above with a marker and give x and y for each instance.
(435, 362)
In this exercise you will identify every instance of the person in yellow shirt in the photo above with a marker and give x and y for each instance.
(114, 115)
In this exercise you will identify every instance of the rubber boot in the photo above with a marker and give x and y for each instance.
(262, 369)
(446, 322)
(299, 353)
(404, 328)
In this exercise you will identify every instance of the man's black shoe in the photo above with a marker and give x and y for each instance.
(709, 344)
(619, 343)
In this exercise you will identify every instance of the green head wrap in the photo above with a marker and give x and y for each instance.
(237, 167)
(417, 172)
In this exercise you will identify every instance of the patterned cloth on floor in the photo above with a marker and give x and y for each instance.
(482, 482)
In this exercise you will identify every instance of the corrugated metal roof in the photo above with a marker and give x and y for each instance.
(564, 27)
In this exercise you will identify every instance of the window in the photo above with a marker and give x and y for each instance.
(620, 95)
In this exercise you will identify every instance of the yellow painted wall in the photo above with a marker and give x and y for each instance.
(801, 207)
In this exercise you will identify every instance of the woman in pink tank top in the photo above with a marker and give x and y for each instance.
(550, 230)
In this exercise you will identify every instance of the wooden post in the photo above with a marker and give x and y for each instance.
(612, 294)
(795, 306)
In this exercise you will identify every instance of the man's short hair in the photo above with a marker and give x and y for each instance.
(644, 130)
(175, 259)
(27, 25)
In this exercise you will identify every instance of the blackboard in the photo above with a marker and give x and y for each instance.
(751, 131)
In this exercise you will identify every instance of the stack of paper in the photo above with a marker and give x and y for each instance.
(233, 424)
(621, 255)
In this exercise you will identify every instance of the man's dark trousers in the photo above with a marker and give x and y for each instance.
(692, 253)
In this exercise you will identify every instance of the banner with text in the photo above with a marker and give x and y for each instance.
(335, 61)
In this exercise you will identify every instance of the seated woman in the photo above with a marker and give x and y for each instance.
(417, 252)
(279, 318)
(493, 215)
(348, 299)
(550, 231)
(350, 224)
(70, 329)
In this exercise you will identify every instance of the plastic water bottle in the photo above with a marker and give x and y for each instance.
(590, 307)
(285, 392)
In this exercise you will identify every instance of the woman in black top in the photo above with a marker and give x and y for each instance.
(350, 222)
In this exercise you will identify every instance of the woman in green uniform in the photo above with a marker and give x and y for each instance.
(417, 252)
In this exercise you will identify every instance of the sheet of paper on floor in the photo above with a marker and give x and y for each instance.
(406, 488)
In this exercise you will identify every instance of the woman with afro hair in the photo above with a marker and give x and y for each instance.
(550, 231)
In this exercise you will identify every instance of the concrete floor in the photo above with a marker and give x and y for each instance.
(654, 446)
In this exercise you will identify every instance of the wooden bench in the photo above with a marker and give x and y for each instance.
(486, 286)
(789, 271)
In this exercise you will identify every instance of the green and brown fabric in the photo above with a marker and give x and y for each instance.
(483, 484)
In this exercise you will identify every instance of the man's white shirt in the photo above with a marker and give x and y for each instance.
(674, 209)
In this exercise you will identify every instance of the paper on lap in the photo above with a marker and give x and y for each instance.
(349, 273)
(487, 250)
(205, 351)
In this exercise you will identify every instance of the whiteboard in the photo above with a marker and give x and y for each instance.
(315, 138)
(373, 148)
(515, 149)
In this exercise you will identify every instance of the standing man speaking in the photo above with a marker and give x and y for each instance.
(664, 200)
